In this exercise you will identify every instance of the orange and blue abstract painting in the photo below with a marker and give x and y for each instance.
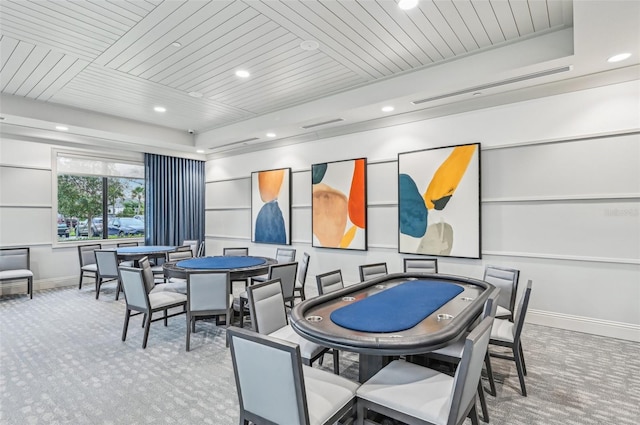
(271, 206)
(439, 201)
(339, 204)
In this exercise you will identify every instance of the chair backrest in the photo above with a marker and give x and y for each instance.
(15, 259)
(303, 269)
(184, 248)
(235, 252)
(147, 274)
(491, 305)
(421, 265)
(201, 249)
(370, 271)
(521, 312)
(286, 272)
(329, 282)
(107, 262)
(285, 255)
(193, 244)
(121, 244)
(269, 378)
(266, 306)
(465, 384)
(208, 291)
(179, 255)
(135, 292)
(85, 252)
(507, 281)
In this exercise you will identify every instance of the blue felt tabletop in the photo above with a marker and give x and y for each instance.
(144, 249)
(396, 309)
(221, 262)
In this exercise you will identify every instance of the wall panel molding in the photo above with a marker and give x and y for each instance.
(588, 325)
(563, 257)
(25, 167)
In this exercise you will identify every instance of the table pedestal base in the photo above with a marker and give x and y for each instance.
(371, 364)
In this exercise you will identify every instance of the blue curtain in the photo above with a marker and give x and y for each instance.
(174, 200)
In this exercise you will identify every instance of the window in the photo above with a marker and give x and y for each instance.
(99, 198)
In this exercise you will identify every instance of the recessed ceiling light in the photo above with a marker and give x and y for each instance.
(160, 109)
(195, 94)
(62, 128)
(407, 4)
(200, 151)
(619, 57)
(176, 44)
(387, 108)
(309, 45)
(271, 134)
(242, 73)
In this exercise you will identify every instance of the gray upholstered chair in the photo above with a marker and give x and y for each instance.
(507, 334)
(452, 353)
(283, 255)
(371, 271)
(127, 263)
(208, 294)
(107, 267)
(329, 282)
(302, 277)
(235, 252)
(88, 267)
(15, 264)
(507, 280)
(420, 265)
(193, 245)
(274, 387)
(201, 249)
(418, 395)
(269, 317)
(137, 298)
(177, 284)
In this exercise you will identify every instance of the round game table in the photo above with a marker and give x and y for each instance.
(137, 252)
(392, 315)
(240, 267)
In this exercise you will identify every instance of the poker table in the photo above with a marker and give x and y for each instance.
(240, 267)
(134, 253)
(393, 315)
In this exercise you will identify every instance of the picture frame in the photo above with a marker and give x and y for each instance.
(271, 206)
(339, 204)
(439, 201)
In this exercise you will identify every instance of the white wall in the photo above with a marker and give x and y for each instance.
(28, 217)
(560, 201)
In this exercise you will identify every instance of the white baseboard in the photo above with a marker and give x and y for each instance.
(20, 286)
(588, 325)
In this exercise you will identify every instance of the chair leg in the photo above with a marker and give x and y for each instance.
(473, 414)
(126, 324)
(229, 316)
(524, 366)
(80, 282)
(360, 412)
(242, 303)
(118, 289)
(336, 361)
(144, 319)
(147, 325)
(98, 284)
(188, 330)
(492, 382)
(30, 287)
(519, 367)
(483, 402)
(165, 317)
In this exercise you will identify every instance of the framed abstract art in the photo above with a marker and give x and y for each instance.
(339, 204)
(271, 206)
(439, 201)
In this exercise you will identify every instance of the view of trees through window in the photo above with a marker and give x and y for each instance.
(88, 199)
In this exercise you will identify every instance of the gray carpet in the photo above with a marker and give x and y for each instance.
(62, 362)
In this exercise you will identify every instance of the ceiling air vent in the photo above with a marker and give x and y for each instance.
(497, 84)
(322, 123)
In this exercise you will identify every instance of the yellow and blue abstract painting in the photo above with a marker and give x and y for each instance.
(271, 206)
(439, 201)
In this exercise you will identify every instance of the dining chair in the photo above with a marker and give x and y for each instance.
(107, 269)
(127, 263)
(420, 265)
(201, 249)
(235, 252)
(507, 280)
(137, 299)
(15, 264)
(329, 282)
(88, 267)
(302, 277)
(508, 334)
(452, 353)
(193, 246)
(416, 394)
(176, 284)
(269, 317)
(275, 387)
(283, 255)
(371, 271)
(208, 294)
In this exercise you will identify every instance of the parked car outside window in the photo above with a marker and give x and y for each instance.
(63, 230)
(96, 227)
(126, 226)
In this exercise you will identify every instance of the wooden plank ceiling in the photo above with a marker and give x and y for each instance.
(118, 57)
